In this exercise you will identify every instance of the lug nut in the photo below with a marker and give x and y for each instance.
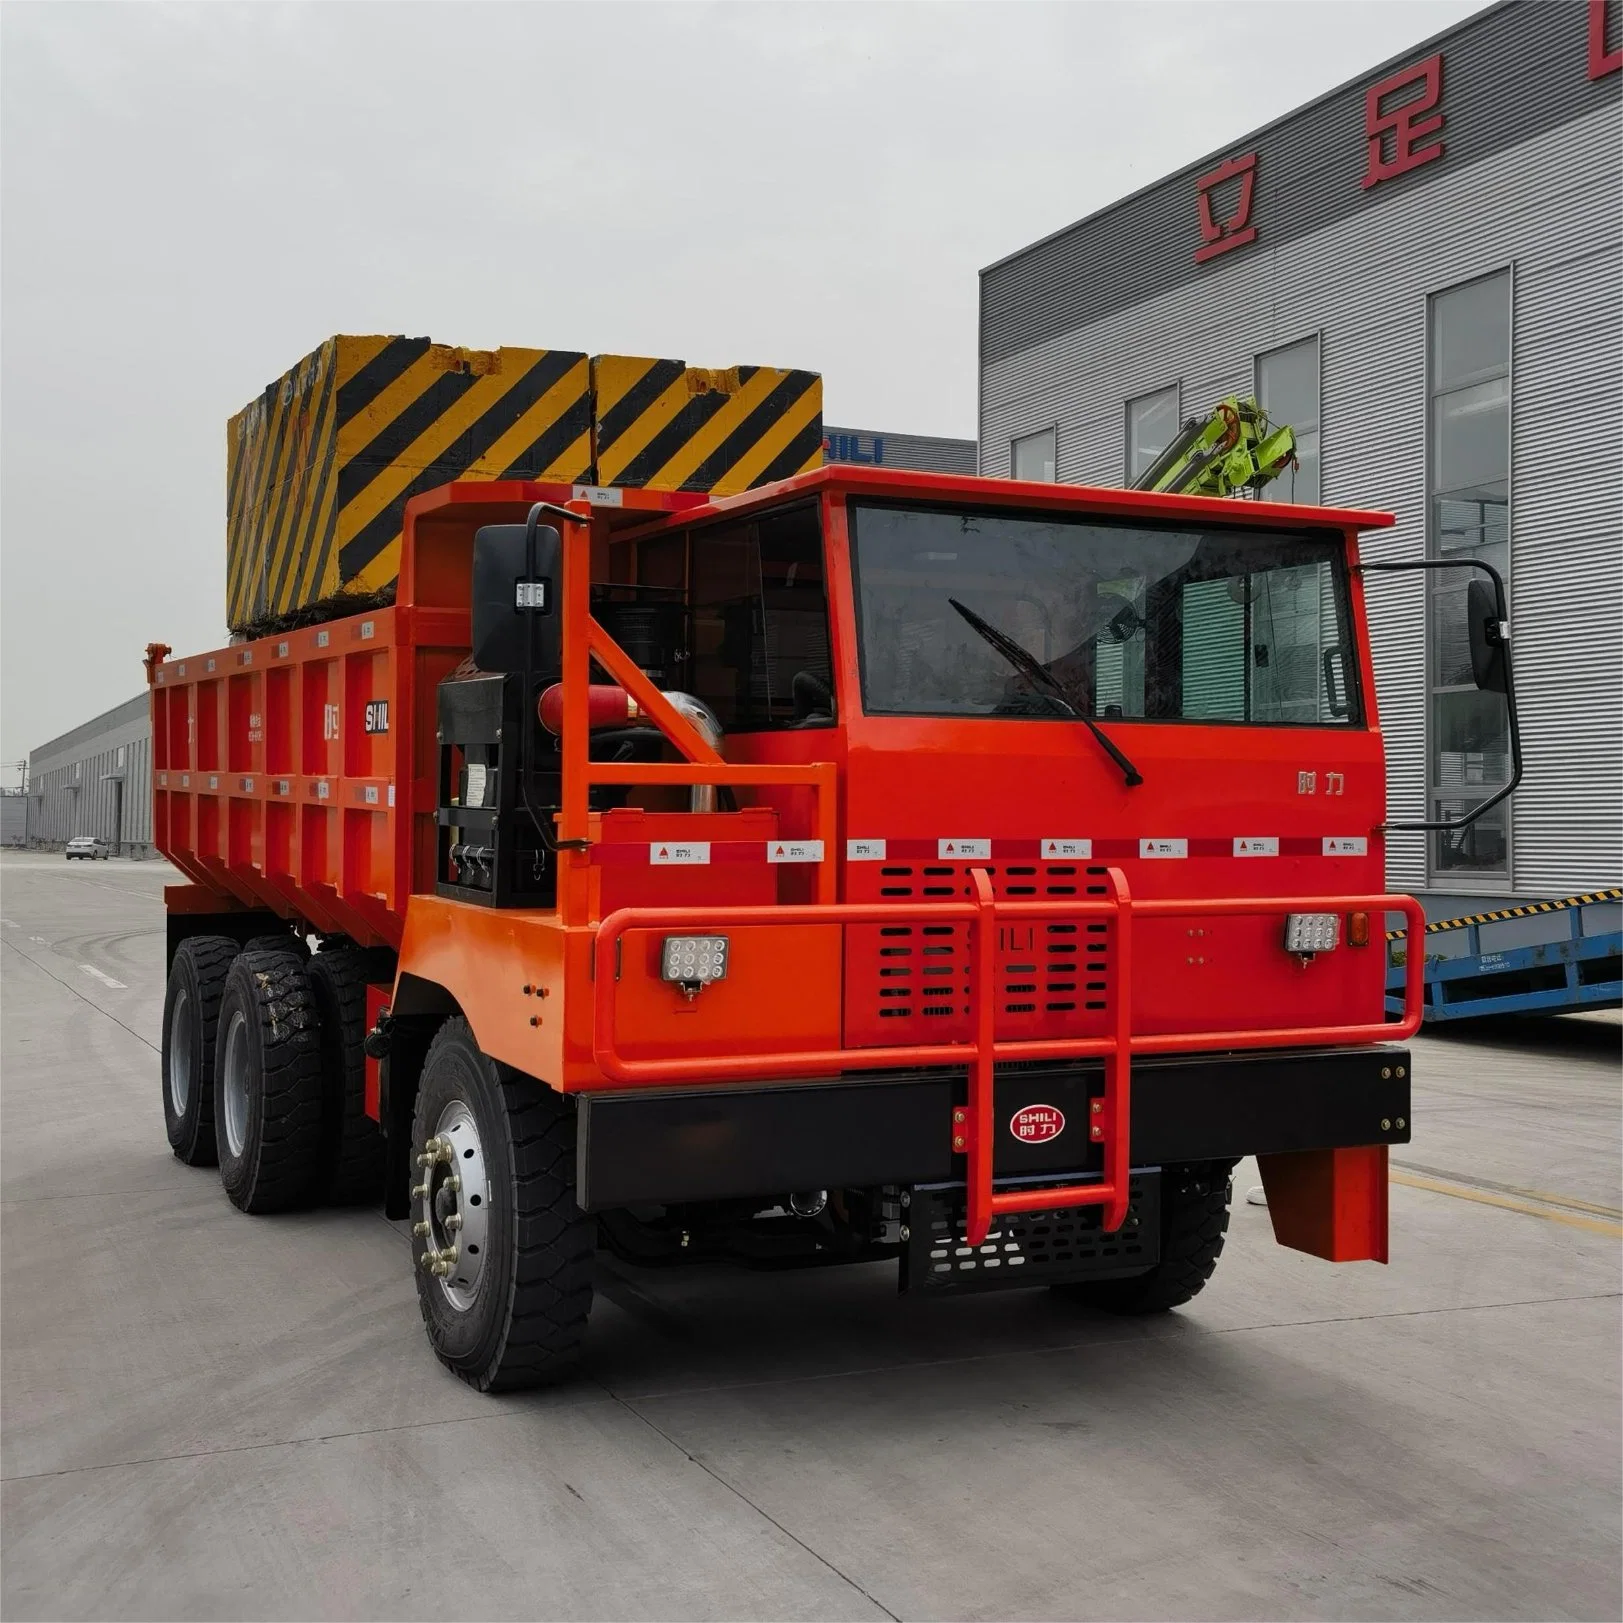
(453, 1183)
(422, 1230)
(419, 1191)
(454, 1221)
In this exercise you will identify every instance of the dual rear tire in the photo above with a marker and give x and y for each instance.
(263, 1071)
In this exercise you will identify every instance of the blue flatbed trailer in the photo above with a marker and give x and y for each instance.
(1541, 958)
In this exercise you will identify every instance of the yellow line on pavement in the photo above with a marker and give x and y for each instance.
(1593, 1224)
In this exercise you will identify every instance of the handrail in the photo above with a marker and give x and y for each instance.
(974, 1126)
(585, 640)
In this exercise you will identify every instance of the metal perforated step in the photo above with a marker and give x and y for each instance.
(1033, 1248)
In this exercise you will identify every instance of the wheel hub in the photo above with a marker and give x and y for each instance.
(180, 1053)
(236, 1082)
(454, 1200)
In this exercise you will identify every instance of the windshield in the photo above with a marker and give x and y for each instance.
(1131, 621)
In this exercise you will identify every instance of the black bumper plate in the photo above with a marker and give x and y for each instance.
(673, 1145)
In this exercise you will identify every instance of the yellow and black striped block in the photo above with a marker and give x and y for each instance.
(661, 425)
(320, 467)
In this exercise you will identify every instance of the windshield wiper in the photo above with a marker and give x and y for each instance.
(1029, 667)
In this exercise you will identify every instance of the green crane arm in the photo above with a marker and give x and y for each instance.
(1233, 448)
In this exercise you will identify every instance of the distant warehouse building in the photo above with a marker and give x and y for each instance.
(97, 780)
(1422, 272)
(925, 452)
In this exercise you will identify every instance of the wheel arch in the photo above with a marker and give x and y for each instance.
(419, 1008)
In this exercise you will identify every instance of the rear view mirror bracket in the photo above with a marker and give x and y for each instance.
(1490, 667)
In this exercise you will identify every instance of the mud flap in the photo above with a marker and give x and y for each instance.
(1329, 1203)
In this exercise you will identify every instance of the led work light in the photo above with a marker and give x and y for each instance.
(1308, 933)
(693, 960)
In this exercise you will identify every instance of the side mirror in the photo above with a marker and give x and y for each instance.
(1487, 632)
(514, 608)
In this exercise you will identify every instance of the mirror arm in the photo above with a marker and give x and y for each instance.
(1502, 611)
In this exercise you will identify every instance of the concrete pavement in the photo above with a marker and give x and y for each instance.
(209, 1415)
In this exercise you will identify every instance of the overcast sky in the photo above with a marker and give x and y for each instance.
(195, 196)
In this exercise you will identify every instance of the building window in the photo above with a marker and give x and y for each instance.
(1032, 456)
(1468, 516)
(1152, 421)
(1288, 390)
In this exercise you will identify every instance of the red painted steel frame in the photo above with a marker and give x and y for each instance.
(974, 1128)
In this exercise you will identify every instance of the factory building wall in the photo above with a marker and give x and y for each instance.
(96, 779)
(925, 453)
(1305, 234)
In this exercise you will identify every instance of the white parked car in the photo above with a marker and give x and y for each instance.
(89, 847)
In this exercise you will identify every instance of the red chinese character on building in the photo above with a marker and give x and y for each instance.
(1601, 60)
(1236, 230)
(1406, 125)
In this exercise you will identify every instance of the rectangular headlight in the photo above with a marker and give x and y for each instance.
(1312, 932)
(694, 960)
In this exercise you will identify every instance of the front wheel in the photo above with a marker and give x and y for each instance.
(502, 1252)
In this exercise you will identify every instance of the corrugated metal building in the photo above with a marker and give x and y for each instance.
(927, 453)
(97, 780)
(1422, 272)
(13, 817)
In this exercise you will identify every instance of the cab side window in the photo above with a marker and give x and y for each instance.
(760, 649)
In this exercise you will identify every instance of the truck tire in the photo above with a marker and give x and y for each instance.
(267, 1082)
(509, 1307)
(191, 1014)
(1194, 1219)
(351, 1144)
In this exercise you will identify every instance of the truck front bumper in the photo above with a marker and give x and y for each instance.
(669, 1146)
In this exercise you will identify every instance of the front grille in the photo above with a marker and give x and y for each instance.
(911, 983)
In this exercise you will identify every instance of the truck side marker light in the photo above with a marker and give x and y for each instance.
(1358, 929)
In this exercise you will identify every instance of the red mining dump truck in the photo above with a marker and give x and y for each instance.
(870, 865)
